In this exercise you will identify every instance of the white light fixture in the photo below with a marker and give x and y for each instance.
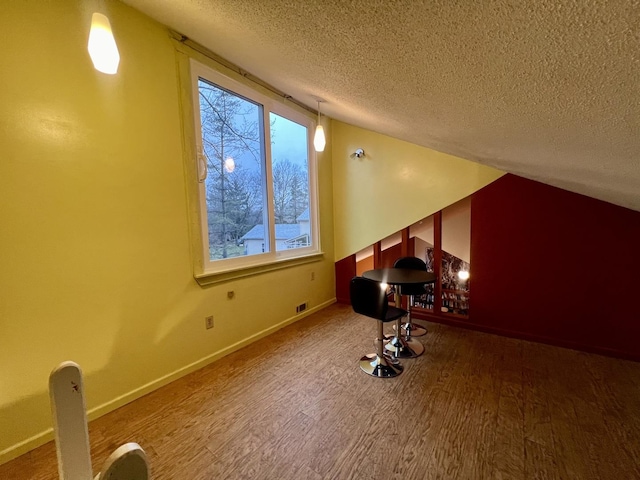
(318, 140)
(463, 275)
(102, 46)
(229, 165)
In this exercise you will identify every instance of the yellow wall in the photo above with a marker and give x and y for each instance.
(95, 260)
(393, 186)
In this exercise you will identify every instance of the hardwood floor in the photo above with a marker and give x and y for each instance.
(296, 405)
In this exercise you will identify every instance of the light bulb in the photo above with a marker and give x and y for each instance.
(463, 275)
(102, 46)
(318, 140)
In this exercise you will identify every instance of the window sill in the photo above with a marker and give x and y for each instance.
(213, 278)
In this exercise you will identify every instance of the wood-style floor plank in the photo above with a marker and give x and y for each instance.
(296, 405)
(540, 461)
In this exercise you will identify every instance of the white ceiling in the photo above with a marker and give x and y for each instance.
(548, 90)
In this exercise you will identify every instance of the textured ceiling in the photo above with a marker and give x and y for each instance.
(549, 90)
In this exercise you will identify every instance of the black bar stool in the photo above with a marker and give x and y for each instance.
(411, 329)
(369, 298)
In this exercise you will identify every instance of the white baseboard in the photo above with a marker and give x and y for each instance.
(47, 435)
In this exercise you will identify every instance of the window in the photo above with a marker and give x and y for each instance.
(256, 174)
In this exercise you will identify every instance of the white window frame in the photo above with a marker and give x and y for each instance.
(273, 257)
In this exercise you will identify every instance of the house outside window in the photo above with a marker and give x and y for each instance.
(256, 174)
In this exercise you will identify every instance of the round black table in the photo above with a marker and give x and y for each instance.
(400, 276)
(406, 347)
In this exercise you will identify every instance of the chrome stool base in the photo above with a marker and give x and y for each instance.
(416, 330)
(404, 347)
(381, 367)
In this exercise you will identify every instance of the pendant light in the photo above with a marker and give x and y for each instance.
(102, 46)
(318, 140)
(229, 165)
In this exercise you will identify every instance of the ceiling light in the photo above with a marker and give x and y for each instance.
(319, 141)
(102, 46)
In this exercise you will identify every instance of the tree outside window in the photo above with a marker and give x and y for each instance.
(237, 211)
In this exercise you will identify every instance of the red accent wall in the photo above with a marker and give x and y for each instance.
(345, 271)
(554, 266)
(390, 255)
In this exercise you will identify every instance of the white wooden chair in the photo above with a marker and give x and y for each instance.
(66, 389)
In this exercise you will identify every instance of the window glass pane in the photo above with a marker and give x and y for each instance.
(235, 183)
(456, 257)
(422, 234)
(364, 260)
(290, 168)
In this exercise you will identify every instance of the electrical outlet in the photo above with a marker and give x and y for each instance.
(302, 307)
(208, 322)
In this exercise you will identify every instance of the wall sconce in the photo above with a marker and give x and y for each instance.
(102, 46)
(319, 140)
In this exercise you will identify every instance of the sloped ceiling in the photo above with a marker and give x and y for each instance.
(549, 90)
